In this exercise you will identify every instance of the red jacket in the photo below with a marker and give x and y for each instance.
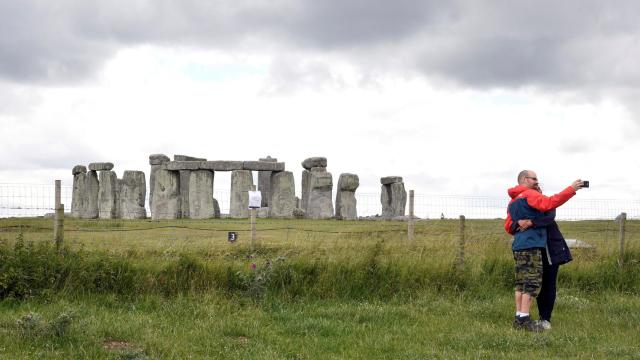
(536, 200)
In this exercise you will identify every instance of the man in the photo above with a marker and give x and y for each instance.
(527, 203)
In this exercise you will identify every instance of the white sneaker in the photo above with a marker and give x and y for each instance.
(545, 324)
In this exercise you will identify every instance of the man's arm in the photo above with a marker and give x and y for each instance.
(546, 203)
(545, 220)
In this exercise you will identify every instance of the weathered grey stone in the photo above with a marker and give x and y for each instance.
(346, 197)
(183, 199)
(241, 183)
(298, 203)
(118, 214)
(166, 195)
(394, 200)
(187, 158)
(263, 212)
(283, 195)
(183, 165)
(107, 194)
(314, 162)
(298, 213)
(221, 165)
(101, 166)
(320, 196)
(79, 169)
(318, 169)
(263, 166)
(133, 194)
(92, 188)
(79, 194)
(348, 182)
(264, 182)
(158, 159)
(216, 208)
(305, 189)
(201, 195)
(387, 180)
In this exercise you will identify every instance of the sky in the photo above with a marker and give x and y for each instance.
(454, 96)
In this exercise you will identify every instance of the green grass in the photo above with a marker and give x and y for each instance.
(319, 290)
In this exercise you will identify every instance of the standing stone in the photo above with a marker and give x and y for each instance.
(165, 204)
(264, 182)
(118, 199)
(132, 195)
(155, 160)
(283, 195)
(393, 198)
(346, 197)
(216, 209)
(185, 180)
(306, 182)
(107, 195)
(320, 204)
(241, 183)
(92, 188)
(78, 196)
(200, 196)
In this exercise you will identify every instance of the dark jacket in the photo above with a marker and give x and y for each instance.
(557, 250)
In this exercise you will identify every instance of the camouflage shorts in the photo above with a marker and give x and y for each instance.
(528, 271)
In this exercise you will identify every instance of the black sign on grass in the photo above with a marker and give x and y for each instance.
(232, 236)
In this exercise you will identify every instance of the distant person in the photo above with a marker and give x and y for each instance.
(527, 203)
(555, 254)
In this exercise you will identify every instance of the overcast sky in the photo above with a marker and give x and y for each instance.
(455, 96)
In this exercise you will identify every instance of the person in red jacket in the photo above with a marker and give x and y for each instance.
(526, 204)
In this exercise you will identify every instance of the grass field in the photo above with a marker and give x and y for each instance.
(309, 290)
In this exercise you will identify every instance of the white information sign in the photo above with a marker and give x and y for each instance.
(255, 199)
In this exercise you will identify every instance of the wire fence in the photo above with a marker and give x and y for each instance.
(33, 200)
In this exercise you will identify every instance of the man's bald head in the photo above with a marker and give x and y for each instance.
(529, 179)
(522, 176)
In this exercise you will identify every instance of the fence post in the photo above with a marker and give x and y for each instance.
(411, 228)
(58, 217)
(460, 258)
(253, 223)
(623, 220)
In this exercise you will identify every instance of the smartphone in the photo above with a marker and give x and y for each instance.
(585, 183)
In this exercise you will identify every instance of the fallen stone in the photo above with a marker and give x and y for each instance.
(575, 243)
(221, 165)
(158, 159)
(91, 188)
(107, 194)
(283, 195)
(79, 169)
(263, 166)
(187, 158)
(102, 166)
(166, 203)
(183, 165)
(241, 184)
(133, 194)
(201, 195)
(387, 180)
(314, 162)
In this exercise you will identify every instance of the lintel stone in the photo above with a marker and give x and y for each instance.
(221, 165)
(102, 166)
(387, 180)
(183, 165)
(263, 166)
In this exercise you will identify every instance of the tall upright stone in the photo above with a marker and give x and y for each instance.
(165, 204)
(91, 188)
(132, 195)
(283, 195)
(156, 161)
(316, 163)
(241, 183)
(201, 205)
(320, 204)
(118, 214)
(107, 194)
(264, 182)
(185, 176)
(393, 197)
(304, 189)
(346, 197)
(78, 196)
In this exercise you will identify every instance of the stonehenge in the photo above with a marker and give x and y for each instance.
(393, 197)
(346, 197)
(183, 188)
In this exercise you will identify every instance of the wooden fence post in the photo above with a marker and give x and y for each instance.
(460, 258)
(411, 225)
(253, 223)
(58, 217)
(622, 223)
